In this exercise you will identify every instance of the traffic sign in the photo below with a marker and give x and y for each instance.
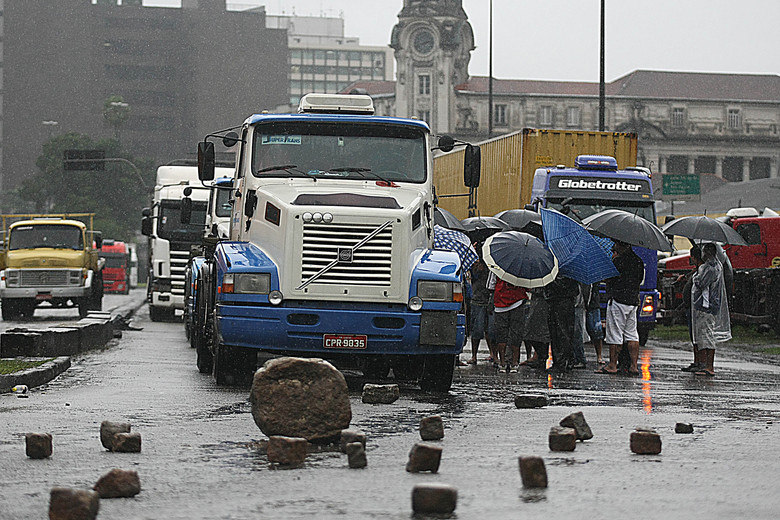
(681, 186)
(84, 160)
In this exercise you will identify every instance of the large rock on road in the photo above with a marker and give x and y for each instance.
(297, 397)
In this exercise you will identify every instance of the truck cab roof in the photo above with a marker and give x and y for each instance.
(336, 118)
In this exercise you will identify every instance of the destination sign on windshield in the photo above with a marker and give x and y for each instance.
(599, 184)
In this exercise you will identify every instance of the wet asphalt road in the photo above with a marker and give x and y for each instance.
(199, 461)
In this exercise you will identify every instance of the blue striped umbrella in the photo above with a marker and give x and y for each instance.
(456, 241)
(581, 256)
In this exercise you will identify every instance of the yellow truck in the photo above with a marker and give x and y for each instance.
(49, 258)
(509, 163)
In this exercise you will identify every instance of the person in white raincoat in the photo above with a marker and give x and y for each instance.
(710, 319)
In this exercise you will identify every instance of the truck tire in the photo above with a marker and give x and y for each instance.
(644, 333)
(26, 308)
(375, 367)
(204, 360)
(234, 366)
(160, 313)
(10, 310)
(83, 305)
(437, 373)
(406, 368)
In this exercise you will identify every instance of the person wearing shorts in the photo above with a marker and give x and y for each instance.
(623, 294)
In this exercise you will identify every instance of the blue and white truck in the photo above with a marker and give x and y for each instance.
(331, 246)
(596, 184)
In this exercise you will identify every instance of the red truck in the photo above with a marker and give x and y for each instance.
(756, 266)
(116, 271)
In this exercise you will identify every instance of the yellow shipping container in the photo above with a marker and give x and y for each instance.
(509, 163)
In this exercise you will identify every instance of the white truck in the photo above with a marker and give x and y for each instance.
(170, 240)
(331, 246)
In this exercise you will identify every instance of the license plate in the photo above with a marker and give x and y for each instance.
(348, 341)
(41, 297)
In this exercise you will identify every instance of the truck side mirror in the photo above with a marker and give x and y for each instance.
(98, 240)
(185, 213)
(206, 161)
(446, 143)
(530, 207)
(146, 212)
(146, 226)
(230, 139)
(472, 163)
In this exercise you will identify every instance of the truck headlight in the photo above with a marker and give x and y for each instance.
(12, 278)
(434, 291)
(74, 277)
(247, 283)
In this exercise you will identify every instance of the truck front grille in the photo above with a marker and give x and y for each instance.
(179, 261)
(43, 277)
(371, 263)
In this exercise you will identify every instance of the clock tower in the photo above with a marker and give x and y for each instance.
(433, 41)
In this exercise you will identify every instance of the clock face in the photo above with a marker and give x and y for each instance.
(424, 41)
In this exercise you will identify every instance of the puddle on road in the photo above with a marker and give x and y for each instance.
(564, 461)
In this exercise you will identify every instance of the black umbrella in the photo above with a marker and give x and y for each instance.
(520, 259)
(704, 228)
(479, 228)
(629, 228)
(445, 219)
(522, 220)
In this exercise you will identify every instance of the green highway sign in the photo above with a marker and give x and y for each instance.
(680, 187)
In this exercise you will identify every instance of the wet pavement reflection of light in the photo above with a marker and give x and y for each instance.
(644, 368)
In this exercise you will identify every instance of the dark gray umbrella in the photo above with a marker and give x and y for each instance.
(445, 219)
(479, 228)
(520, 219)
(520, 259)
(629, 228)
(704, 228)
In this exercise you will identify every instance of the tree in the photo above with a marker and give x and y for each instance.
(115, 195)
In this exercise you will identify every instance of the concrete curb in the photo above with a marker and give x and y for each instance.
(60, 342)
(36, 376)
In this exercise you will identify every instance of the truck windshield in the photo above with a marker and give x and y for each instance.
(115, 260)
(579, 210)
(340, 151)
(169, 224)
(58, 236)
(223, 206)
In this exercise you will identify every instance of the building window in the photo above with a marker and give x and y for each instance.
(424, 84)
(734, 119)
(573, 116)
(424, 115)
(499, 115)
(546, 116)
(678, 117)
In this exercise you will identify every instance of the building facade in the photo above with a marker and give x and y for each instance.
(322, 59)
(184, 72)
(721, 124)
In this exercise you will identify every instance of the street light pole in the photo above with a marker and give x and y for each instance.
(490, 76)
(51, 125)
(602, 93)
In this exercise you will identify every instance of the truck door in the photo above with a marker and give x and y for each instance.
(239, 188)
(755, 254)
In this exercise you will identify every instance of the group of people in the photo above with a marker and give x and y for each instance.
(565, 314)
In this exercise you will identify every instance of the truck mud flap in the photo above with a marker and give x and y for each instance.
(438, 328)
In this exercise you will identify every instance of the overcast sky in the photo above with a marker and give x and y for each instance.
(559, 39)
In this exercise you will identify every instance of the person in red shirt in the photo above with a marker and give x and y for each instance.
(510, 317)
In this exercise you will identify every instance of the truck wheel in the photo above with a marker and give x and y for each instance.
(83, 306)
(375, 367)
(26, 308)
(234, 366)
(205, 361)
(437, 373)
(160, 313)
(644, 333)
(406, 368)
(10, 310)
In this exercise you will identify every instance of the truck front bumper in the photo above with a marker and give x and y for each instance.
(167, 300)
(32, 293)
(291, 330)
